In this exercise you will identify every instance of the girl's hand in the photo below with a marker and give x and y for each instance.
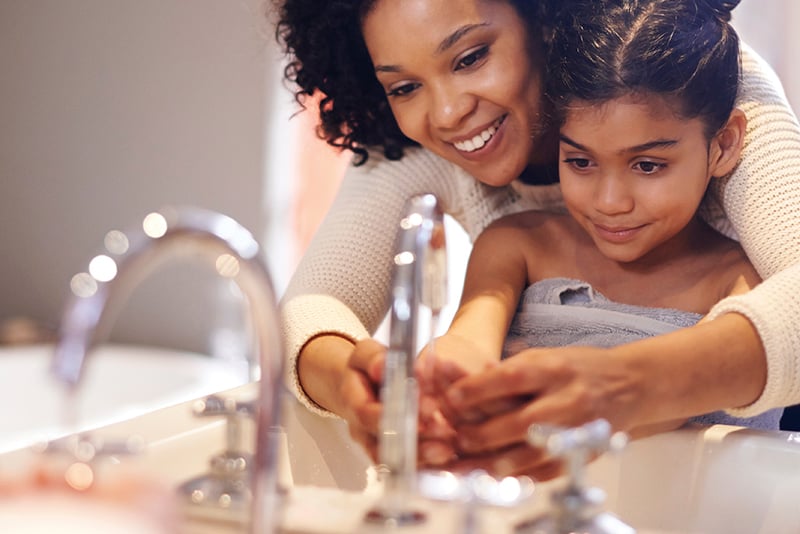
(440, 363)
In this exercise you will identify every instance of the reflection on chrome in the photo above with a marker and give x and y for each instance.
(154, 225)
(116, 242)
(165, 235)
(227, 266)
(83, 285)
(103, 268)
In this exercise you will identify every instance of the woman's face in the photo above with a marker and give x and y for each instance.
(462, 80)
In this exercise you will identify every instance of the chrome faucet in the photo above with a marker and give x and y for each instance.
(576, 507)
(236, 254)
(420, 278)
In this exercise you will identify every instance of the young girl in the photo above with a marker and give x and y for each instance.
(644, 94)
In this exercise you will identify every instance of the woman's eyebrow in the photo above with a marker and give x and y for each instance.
(446, 43)
(453, 38)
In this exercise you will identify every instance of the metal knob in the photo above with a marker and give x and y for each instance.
(576, 507)
(226, 487)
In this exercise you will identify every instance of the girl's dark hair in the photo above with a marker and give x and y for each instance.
(685, 50)
(328, 57)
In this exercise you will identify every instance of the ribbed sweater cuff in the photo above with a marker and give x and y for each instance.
(777, 329)
(306, 317)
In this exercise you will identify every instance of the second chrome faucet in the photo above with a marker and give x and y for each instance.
(420, 280)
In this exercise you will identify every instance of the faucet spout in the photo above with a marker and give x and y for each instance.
(420, 279)
(164, 235)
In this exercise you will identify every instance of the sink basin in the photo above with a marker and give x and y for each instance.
(716, 479)
(121, 382)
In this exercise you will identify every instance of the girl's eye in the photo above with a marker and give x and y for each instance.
(578, 163)
(649, 167)
(402, 89)
(473, 57)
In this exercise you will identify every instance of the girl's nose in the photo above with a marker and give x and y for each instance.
(613, 196)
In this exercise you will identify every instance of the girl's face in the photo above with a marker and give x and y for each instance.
(462, 80)
(633, 174)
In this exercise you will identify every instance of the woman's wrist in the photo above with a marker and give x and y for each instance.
(714, 365)
(321, 364)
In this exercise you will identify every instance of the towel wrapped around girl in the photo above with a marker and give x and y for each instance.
(557, 312)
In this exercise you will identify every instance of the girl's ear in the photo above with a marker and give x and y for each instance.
(727, 144)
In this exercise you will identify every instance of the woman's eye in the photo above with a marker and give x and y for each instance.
(472, 58)
(649, 167)
(402, 89)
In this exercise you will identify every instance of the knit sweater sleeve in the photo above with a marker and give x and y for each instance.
(761, 200)
(341, 285)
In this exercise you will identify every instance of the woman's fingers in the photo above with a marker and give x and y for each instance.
(564, 386)
(368, 356)
(511, 378)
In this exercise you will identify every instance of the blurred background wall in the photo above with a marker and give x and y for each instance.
(109, 110)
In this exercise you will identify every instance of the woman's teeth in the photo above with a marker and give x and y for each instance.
(471, 145)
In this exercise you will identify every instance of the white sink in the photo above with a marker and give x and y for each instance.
(121, 382)
(706, 480)
(718, 479)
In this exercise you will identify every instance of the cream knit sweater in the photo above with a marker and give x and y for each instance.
(342, 283)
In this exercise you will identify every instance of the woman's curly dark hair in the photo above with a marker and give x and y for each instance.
(328, 55)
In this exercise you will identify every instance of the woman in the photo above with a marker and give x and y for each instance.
(442, 81)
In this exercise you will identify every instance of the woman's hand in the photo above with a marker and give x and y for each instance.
(567, 386)
(345, 379)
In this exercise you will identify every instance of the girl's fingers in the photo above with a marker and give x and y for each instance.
(517, 460)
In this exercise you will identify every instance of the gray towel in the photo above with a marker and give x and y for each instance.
(557, 312)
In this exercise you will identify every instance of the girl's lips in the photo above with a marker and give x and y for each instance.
(616, 234)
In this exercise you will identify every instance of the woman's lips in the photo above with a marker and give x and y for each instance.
(479, 140)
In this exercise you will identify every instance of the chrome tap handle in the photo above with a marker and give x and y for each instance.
(595, 436)
(234, 412)
(576, 508)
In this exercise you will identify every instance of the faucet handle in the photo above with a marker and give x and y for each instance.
(234, 412)
(87, 448)
(595, 436)
(576, 507)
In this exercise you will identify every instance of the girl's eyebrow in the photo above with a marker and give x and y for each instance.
(446, 44)
(658, 143)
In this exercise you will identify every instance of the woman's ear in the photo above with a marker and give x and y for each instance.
(726, 145)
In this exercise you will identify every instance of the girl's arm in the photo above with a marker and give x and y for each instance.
(496, 274)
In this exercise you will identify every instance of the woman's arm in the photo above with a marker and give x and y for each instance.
(638, 387)
(761, 200)
(339, 293)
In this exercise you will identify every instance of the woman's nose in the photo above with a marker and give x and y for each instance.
(450, 106)
(613, 196)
